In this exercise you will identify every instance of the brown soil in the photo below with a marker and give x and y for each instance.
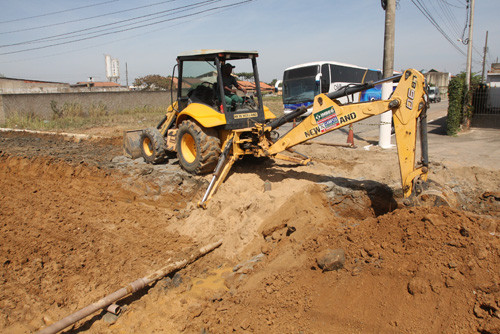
(78, 222)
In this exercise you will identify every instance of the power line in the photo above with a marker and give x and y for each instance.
(445, 7)
(87, 18)
(127, 29)
(61, 36)
(453, 23)
(111, 42)
(58, 12)
(464, 40)
(450, 4)
(429, 17)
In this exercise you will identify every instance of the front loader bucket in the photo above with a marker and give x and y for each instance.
(132, 144)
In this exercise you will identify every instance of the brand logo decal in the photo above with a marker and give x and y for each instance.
(350, 117)
(313, 132)
(326, 119)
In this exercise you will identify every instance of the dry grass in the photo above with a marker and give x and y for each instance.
(73, 117)
(274, 103)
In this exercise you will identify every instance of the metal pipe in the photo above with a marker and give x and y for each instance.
(423, 138)
(276, 123)
(130, 288)
(359, 88)
(325, 143)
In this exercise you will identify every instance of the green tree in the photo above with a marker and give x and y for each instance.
(153, 82)
(245, 75)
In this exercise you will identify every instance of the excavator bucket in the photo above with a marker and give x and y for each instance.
(132, 144)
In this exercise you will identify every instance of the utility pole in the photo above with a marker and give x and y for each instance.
(469, 47)
(484, 56)
(386, 118)
(466, 115)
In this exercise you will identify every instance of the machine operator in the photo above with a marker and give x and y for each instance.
(232, 99)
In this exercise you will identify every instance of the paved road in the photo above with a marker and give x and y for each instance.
(476, 147)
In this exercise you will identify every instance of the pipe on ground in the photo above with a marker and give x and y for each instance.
(129, 289)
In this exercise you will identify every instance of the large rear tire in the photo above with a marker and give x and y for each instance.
(198, 148)
(153, 146)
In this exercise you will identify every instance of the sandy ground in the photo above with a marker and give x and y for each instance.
(78, 221)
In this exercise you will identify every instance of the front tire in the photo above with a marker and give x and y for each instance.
(153, 146)
(198, 149)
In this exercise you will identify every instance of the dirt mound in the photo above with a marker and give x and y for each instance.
(97, 151)
(69, 236)
(409, 271)
(80, 221)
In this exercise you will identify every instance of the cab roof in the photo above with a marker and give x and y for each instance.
(210, 54)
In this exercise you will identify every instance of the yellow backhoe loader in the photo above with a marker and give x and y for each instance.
(209, 134)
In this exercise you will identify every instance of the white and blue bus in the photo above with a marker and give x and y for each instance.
(301, 83)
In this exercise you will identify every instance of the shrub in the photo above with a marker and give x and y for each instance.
(459, 103)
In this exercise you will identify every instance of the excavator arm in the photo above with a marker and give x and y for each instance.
(408, 106)
(407, 103)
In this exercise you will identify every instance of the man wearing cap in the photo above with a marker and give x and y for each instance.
(228, 82)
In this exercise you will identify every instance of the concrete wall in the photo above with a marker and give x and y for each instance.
(13, 86)
(439, 79)
(24, 86)
(42, 104)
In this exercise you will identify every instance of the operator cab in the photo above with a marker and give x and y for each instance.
(200, 80)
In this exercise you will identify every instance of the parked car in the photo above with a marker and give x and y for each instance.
(434, 95)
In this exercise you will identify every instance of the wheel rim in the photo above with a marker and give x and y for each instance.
(188, 148)
(147, 146)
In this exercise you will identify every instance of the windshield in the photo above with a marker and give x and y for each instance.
(299, 85)
(196, 72)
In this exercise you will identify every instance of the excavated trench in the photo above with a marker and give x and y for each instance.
(79, 220)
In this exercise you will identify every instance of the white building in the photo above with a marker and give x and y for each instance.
(493, 76)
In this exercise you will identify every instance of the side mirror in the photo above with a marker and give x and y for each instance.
(318, 78)
(276, 85)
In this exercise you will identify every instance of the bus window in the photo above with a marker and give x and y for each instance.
(372, 75)
(346, 74)
(325, 78)
(300, 86)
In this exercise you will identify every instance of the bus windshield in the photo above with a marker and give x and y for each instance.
(299, 85)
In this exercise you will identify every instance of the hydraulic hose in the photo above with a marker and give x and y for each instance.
(353, 89)
(276, 123)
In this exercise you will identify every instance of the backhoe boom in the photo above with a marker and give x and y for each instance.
(407, 103)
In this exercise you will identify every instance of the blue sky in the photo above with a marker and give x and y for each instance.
(285, 33)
